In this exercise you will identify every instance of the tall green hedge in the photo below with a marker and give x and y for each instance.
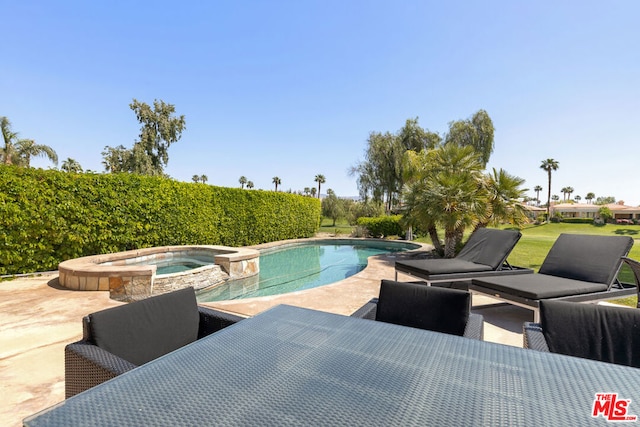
(47, 216)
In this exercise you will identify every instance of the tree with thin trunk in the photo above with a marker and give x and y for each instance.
(320, 179)
(27, 148)
(204, 179)
(537, 189)
(277, 181)
(249, 185)
(570, 191)
(242, 181)
(195, 178)
(549, 165)
(590, 196)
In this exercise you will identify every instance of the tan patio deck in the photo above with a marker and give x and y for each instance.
(39, 318)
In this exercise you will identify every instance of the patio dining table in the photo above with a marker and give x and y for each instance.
(294, 366)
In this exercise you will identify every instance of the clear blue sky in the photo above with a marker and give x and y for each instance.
(293, 88)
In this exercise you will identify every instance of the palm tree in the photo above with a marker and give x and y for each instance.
(555, 197)
(549, 165)
(242, 181)
(320, 179)
(537, 189)
(313, 191)
(563, 190)
(306, 191)
(570, 190)
(504, 199)
(204, 179)
(195, 178)
(590, 196)
(577, 199)
(71, 165)
(276, 181)
(447, 189)
(27, 148)
(10, 138)
(249, 184)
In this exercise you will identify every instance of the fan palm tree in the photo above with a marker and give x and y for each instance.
(249, 184)
(549, 165)
(570, 191)
(320, 179)
(204, 179)
(195, 178)
(590, 196)
(71, 165)
(277, 181)
(27, 148)
(10, 138)
(504, 194)
(537, 189)
(242, 181)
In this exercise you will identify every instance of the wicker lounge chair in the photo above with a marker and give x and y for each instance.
(484, 254)
(424, 307)
(598, 332)
(579, 268)
(119, 339)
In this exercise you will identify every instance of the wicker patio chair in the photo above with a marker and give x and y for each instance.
(424, 307)
(119, 339)
(591, 331)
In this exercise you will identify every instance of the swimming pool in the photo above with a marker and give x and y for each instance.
(303, 266)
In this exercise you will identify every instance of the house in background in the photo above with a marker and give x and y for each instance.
(581, 210)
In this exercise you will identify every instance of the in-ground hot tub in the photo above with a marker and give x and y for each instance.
(132, 275)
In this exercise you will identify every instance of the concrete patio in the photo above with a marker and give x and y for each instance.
(39, 318)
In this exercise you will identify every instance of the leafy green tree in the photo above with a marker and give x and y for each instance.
(150, 153)
(476, 132)
(549, 165)
(277, 181)
(413, 137)
(320, 179)
(605, 200)
(242, 181)
(332, 207)
(605, 213)
(537, 189)
(249, 184)
(71, 165)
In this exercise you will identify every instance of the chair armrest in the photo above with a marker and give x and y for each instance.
(367, 311)
(87, 365)
(533, 338)
(213, 320)
(475, 327)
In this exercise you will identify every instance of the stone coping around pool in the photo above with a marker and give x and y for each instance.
(291, 242)
(109, 272)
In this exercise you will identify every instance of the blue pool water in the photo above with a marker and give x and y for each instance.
(303, 266)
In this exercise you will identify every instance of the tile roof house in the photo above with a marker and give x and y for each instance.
(582, 210)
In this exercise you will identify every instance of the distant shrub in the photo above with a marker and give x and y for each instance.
(48, 216)
(382, 226)
(578, 220)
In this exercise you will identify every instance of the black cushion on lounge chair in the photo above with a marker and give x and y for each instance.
(608, 334)
(489, 246)
(425, 307)
(441, 266)
(144, 330)
(539, 286)
(575, 265)
(585, 257)
(485, 250)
